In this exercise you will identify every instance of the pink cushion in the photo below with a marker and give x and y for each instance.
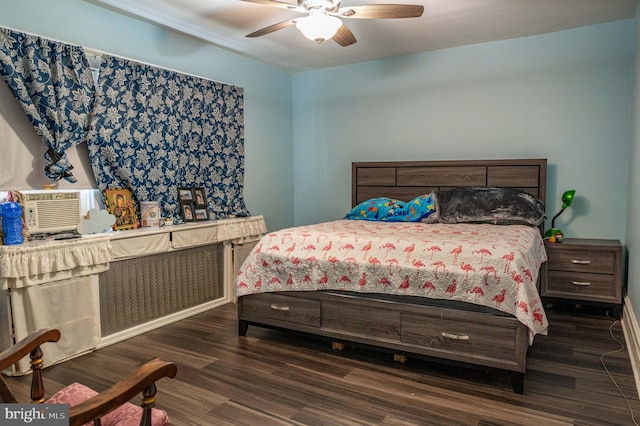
(126, 415)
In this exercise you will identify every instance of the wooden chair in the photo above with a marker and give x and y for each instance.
(109, 407)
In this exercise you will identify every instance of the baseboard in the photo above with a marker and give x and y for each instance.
(631, 331)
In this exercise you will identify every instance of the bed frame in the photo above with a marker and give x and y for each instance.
(412, 326)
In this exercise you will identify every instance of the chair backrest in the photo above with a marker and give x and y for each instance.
(86, 404)
(30, 345)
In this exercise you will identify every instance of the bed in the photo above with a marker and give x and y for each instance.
(452, 292)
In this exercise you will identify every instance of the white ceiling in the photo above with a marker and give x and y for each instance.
(445, 23)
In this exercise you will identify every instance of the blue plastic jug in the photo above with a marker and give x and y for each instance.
(11, 223)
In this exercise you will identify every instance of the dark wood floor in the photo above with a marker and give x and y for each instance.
(281, 378)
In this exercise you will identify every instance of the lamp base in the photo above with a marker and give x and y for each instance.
(554, 235)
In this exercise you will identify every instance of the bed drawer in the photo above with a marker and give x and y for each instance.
(359, 321)
(475, 336)
(282, 308)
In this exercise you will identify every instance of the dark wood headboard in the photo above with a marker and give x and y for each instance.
(405, 180)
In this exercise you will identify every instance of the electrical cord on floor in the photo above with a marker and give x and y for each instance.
(622, 347)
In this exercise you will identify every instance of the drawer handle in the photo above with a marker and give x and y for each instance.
(455, 336)
(580, 262)
(279, 308)
(581, 283)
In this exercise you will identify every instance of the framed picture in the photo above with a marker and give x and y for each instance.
(185, 194)
(149, 214)
(199, 198)
(202, 213)
(121, 204)
(193, 204)
(188, 214)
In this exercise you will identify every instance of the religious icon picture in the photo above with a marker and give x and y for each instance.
(121, 204)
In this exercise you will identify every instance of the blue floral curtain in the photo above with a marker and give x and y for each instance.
(53, 84)
(154, 130)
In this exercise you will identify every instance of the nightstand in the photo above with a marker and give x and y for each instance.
(584, 271)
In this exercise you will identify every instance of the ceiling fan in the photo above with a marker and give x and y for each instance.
(323, 18)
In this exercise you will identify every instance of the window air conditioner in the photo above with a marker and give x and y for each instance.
(51, 210)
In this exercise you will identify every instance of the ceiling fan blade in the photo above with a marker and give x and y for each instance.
(272, 28)
(382, 11)
(276, 3)
(344, 37)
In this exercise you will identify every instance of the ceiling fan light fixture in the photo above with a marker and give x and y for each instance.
(318, 26)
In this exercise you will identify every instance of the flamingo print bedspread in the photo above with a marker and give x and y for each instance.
(490, 265)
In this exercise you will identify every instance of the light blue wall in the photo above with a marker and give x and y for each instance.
(267, 90)
(564, 96)
(633, 207)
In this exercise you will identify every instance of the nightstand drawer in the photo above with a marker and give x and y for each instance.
(578, 285)
(602, 262)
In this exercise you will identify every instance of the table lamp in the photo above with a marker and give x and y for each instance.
(555, 234)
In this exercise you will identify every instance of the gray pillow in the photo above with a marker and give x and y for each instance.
(479, 204)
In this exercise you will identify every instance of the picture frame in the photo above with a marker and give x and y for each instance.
(187, 211)
(193, 204)
(201, 213)
(199, 197)
(121, 203)
(185, 194)
(149, 214)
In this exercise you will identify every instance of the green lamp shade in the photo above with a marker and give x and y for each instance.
(567, 198)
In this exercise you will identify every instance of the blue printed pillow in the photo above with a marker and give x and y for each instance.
(414, 210)
(374, 209)
(392, 210)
